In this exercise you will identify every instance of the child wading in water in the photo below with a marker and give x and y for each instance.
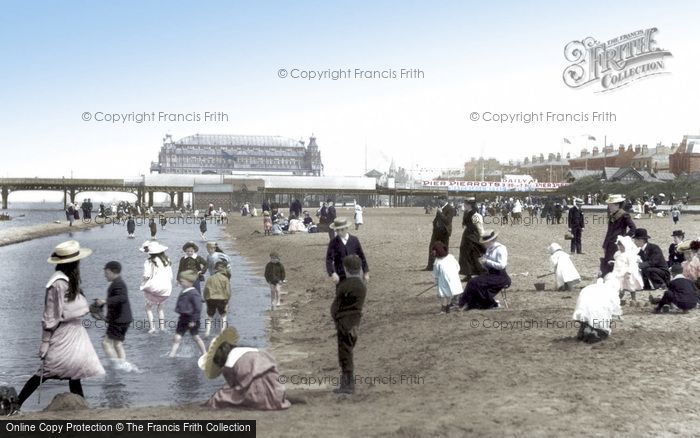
(189, 306)
(267, 223)
(446, 274)
(626, 268)
(274, 275)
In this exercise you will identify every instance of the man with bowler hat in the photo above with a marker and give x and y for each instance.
(655, 272)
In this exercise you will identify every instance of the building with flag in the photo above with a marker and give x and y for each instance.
(238, 154)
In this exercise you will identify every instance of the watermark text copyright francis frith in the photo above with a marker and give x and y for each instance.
(338, 74)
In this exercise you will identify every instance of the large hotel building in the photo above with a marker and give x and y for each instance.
(238, 154)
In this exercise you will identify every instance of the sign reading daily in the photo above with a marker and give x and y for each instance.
(615, 63)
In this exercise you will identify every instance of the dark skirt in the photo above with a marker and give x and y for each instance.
(469, 253)
(480, 291)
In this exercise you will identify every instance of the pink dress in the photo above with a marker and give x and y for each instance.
(159, 284)
(252, 381)
(71, 354)
(691, 269)
(267, 223)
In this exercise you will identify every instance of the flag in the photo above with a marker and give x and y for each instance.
(590, 137)
(566, 140)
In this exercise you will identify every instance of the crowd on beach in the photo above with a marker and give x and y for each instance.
(630, 262)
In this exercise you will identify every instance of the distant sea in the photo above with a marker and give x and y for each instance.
(32, 213)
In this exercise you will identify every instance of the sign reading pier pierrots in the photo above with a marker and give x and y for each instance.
(614, 63)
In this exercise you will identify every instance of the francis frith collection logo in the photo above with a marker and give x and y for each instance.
(614, 63)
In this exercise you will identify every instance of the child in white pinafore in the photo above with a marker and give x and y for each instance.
(565, 273)
(446, 275)
(626, 267)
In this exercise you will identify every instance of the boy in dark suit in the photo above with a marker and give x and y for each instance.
(681, 293)
(654, 268)
(341, 246)
(346, 311)
(118, 312)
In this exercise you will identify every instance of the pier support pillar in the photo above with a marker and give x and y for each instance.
(72, 196)
(65, 199)
(180, 199)
(172, 200)
(150, 199)
(5, 194)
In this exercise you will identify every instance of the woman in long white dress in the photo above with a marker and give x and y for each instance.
(66, 350)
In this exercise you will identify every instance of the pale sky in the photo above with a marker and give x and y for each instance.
(62, 59)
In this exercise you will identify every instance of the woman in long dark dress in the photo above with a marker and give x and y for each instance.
(619, 224)
(470, 248)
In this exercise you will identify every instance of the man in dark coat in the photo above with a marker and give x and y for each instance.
(681, 293)
(619, 224)
(442, 228)
(654, 269)
(118, 312)
(330, 217)
(342, 245)
(346, 311)
(470, 249)
(576, 225)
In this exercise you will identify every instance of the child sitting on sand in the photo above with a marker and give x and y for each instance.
(626, 268)
(565, 273)
(681, 293)
(446, 275)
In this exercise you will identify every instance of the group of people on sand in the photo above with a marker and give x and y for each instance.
(275, 223)
(630, 263)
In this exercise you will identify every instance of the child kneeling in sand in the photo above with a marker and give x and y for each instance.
(596, 306)
(565, 273)
(681, 293)
(446, 275)
(189, 306)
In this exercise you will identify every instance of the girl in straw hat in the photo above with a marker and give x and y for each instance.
(252, 378)
(66, 350)
(157, 283)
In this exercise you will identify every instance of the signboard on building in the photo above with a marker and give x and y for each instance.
(492, 186)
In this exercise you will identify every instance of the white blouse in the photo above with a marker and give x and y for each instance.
(496, 256)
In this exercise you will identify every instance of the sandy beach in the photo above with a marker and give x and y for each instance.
(512, 371)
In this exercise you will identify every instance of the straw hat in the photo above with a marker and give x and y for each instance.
(488, 236)
(615, 199)
(69, 251)
(211, 244)
(206, 361)
(339, 223)
(152, 247)
(684, 246)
